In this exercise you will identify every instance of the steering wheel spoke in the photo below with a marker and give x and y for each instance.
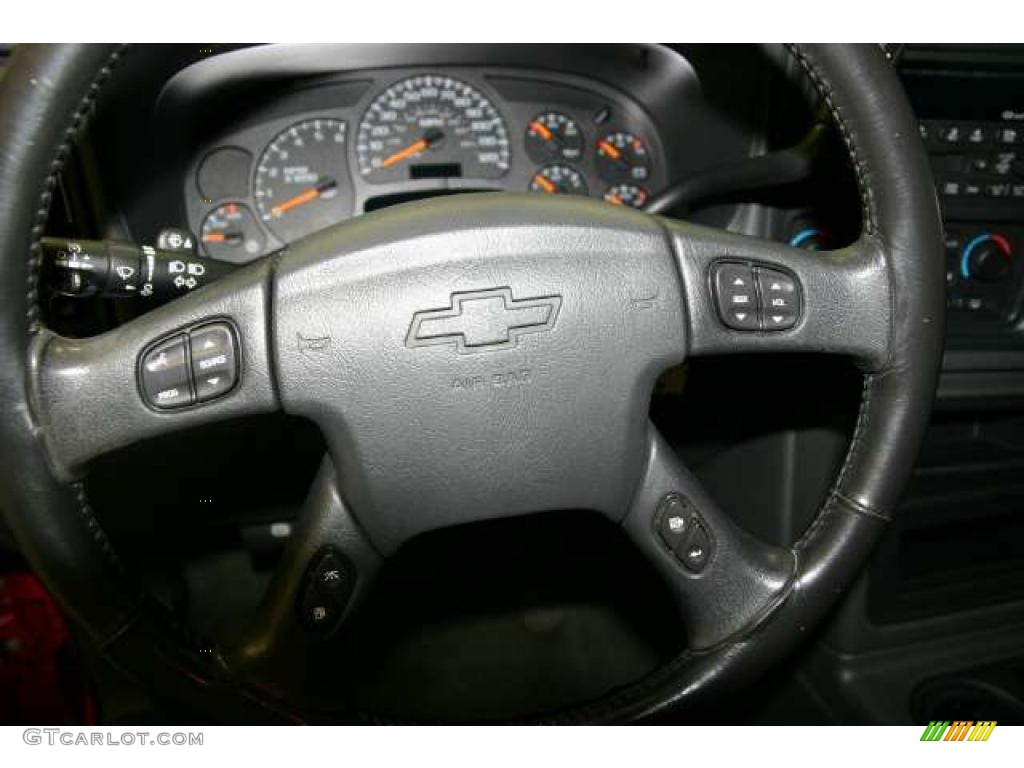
(326, 571)
(201, 358)
(748, 295)
(724, 581)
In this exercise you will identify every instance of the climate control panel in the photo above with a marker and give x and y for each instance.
(983, 268)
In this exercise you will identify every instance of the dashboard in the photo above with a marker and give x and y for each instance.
(379, 137)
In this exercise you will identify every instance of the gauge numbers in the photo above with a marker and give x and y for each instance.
(558, 179)
(629, 195)
(301, 183)
(431, 126)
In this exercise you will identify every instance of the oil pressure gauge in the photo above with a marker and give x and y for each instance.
(553, 136)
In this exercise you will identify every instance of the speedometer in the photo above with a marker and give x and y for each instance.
(431, 126)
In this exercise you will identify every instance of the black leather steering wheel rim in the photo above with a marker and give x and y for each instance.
(49, 91)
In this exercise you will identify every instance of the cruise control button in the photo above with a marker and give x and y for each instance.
(320, 611)
(673, 521)
(335, 575)
(780, 299)
(696, 552)
(214, 363)
(736, 296)
(164, 374)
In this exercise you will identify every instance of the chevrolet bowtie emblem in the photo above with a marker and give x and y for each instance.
(479, 321)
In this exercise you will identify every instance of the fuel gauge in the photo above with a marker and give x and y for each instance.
(558, 180)
(231, 233)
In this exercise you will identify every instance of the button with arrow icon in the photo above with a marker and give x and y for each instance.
(736, 296)
(214, 360)
(780, 299)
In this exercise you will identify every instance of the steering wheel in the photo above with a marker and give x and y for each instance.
(477, 359)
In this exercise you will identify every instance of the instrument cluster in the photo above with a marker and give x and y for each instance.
(405, 135)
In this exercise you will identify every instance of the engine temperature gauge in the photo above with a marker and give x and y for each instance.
(623, 157)
(558, 180)
(231, 233)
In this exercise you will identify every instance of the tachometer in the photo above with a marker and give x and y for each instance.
(431, 126)
(302, 179)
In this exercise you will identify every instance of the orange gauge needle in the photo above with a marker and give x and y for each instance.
(614, 199)
(231, 238)
(430, 138)
(609, 149)
(543, 130)
(303, 197)
(413, 149)
(546, 184)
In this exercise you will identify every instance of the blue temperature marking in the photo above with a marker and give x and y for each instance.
(802, 236)
(974, 243)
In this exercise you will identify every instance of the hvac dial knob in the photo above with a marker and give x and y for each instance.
(986, 258)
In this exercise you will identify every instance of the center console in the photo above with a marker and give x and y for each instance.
(934, 629)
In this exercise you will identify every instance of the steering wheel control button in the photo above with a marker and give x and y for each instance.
(673, 521)
(736, 296)
(750, 297)
(696, 552)
(780, 299)
(683, 532)
(165, 375)
(214, 362)
(320, 612)
(335, 576)
(328, 587)
(191, 367)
